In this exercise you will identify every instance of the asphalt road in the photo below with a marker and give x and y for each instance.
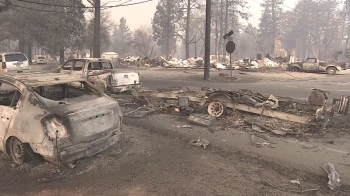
(338, 85)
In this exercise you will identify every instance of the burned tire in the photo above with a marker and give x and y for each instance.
(331, 70)
(217, 109)
(19, 152)
(295, 69)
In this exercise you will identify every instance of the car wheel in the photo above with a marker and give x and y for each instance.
(331, 70)
(295, 69)
(19, 152)
(217, 109)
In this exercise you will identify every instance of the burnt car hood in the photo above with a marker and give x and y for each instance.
(91, 119)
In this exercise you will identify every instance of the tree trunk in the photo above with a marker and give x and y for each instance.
(9, 45)
(168, 25)
(221, 28)
(195, 45)
(29, 52)
(216, 30)
(21, 44)
(62, 56)
(187, 39)
(274, 27)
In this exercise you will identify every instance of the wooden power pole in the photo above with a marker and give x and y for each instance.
(97, 30)
(207, 40)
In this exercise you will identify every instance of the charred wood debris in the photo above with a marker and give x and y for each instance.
(244, 110)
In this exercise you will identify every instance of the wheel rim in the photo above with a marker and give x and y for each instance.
(17, 151)
(331, 71)
(216, 109)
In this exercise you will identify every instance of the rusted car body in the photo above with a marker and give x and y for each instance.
(45, 114)
(102, 74)
(314, 65)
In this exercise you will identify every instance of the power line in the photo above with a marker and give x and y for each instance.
(40, 10)
(106, 7)
(86, 7)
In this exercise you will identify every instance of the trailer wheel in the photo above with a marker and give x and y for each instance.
(331, 70)
(217, 109)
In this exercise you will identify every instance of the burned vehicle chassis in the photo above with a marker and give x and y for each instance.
(63, 130)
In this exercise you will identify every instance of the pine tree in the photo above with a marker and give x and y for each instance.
(270, 23)
(164, 24)
(122, 37)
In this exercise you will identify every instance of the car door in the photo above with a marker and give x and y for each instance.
(10, 97)
(310, 64)
(67, 67)
(78, 68)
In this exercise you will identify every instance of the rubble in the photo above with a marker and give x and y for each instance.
(139, 112)
(333, 176)
(202, 119)
(259, 64)
(297, 182)
(318, 97)
(270, 114)
(200, 142)
(259, 142)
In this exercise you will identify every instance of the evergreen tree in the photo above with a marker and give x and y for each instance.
(122, 37)
(164, 24)
(270, 23)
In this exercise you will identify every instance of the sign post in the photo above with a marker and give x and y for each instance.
(230, 48)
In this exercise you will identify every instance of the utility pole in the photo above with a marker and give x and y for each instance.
(97, 29)
(188, 19)
(207, 40)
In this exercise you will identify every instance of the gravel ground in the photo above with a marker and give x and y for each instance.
(146, 162)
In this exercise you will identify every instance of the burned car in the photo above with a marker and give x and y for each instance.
(46, 114)
(102, 74)
(314, 65)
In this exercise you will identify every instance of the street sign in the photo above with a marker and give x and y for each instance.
(230, 47)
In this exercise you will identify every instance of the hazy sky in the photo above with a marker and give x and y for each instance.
(137, 15)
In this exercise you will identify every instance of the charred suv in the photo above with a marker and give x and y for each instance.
(46, 114)
(314, 65)
(102, 74)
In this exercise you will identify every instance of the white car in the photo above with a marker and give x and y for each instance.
(15, 62)
(39, 59)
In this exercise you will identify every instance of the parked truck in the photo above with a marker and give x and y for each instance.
(102, 73)
(314, 65)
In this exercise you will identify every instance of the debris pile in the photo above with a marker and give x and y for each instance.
(245, 109)
(260, 64)
(333, 176)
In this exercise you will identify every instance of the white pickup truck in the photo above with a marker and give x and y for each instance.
(102, 74)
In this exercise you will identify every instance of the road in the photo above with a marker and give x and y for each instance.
(338, 85)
